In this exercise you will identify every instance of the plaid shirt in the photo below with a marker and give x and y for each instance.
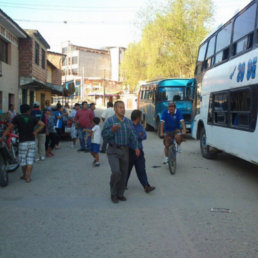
(123, 136)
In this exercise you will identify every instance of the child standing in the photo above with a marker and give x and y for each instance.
(95, 134)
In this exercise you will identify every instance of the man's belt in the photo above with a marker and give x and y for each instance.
(117, 146)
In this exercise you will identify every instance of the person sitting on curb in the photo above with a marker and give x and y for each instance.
(138, 162)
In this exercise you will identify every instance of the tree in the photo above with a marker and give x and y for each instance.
(169, 43)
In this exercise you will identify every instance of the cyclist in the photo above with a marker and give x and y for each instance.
(170, 127)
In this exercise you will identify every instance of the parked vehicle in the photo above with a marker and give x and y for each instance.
(226, 72)
(8, 155)
(154, 97)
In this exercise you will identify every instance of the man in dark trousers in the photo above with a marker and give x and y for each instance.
(118, 132)
(27, 146)
(138, 162)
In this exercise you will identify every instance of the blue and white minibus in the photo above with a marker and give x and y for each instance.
(154, 97)
(226, 74)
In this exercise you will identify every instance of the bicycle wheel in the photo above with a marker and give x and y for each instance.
(13, 162)
(172, 159)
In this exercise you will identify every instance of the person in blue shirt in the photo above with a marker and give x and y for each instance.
(138, 161)
(170, 127)
(58, 119)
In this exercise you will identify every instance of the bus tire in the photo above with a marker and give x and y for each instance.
(205, 149)
(146, 126)
(158, 128)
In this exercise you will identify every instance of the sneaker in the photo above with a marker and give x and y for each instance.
(165, 161)
(37, 160)
(42, 158)
(97, 164)
(81, 150)
(94, 162)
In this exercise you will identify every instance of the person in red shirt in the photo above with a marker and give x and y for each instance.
(84, 119)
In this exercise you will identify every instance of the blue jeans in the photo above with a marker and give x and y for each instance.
(82, 136)
(139, 164)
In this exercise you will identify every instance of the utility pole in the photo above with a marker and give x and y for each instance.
(104, 89)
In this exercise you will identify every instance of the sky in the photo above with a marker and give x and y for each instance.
(93, 23)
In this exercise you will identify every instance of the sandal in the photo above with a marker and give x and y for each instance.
(28, 180)
(23, 177)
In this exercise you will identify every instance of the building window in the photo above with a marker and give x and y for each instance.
(74, 60)
(36, 53)
(3, 51)
(43, 59)
(75, 71)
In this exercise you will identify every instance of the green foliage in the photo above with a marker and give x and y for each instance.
(169, 42)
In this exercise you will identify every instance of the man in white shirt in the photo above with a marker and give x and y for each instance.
(106, 114)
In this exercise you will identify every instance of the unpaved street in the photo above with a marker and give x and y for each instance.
(66, 211)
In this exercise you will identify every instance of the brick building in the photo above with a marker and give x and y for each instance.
(10, 33)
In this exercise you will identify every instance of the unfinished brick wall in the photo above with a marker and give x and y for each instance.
(27, 65)
(25, 57)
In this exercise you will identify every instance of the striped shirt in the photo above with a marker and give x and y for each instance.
(123, 136)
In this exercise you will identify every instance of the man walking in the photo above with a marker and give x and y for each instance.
(106, 114)
(41, 136)
(118, 132)
(84, 118)
(74, 126)
(25, 124)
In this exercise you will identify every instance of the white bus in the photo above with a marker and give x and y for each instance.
(227, 77)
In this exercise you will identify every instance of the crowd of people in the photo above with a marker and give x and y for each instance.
(40, 132)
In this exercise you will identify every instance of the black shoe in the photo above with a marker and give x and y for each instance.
(102, 151)
(81, 150)
(149, 188)
(122, 198)
(86, 150)
(114, 199)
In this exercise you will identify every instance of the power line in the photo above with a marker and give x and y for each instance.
(42, 7)
(73, 22)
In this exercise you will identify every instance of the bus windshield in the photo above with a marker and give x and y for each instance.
(170, 94)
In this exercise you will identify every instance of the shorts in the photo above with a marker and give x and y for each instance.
(27, 153)
(169, 136)
(74, 132)
(94, 147)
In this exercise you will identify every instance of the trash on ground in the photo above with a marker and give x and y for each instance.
(221, 210)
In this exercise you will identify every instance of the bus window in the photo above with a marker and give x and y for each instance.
(243, 30)
(142, 94)
(244, 24)
(223, 43)
(240, 106)
(209, 62)
(201, 56)
(220, 108)
(146, 95)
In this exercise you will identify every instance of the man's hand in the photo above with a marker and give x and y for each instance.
(184, 131)
(115, 127)
(137, 152)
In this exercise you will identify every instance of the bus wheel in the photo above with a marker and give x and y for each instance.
(205, 149)
(158, 128)
(145, 125)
